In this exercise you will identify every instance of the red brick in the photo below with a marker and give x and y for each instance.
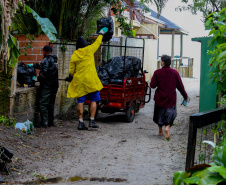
(23, 44)
(39, 57)
(28, 51)
(41, 44)
(38, 37)
(22, 38)
(45, 38)
(34, 44)
(26, 44)
(36, 51)
(27, 58)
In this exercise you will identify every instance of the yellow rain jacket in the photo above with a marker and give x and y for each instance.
(82, 68)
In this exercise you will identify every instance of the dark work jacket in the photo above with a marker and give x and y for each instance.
(167, 80)
(48, 76)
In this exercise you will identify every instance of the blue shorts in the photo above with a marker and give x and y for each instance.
(93, 97)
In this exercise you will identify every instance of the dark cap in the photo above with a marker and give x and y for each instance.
(81, 43)
(47, 48)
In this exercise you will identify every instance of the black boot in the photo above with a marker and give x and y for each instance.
(51, 118)
(93, 124)
(44, 119)
(81, 126)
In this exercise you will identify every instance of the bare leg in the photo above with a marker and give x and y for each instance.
(93, 108)
(167, 135)
(160, 131)
(80, 110)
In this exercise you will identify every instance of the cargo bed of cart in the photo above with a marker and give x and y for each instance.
(129, 95)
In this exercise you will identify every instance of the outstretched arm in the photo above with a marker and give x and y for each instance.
(96, 44)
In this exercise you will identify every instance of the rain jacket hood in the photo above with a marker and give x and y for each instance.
(81, 52)
(82, 68)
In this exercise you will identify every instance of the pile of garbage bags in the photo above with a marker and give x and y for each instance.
(25, 74)
(111, 72)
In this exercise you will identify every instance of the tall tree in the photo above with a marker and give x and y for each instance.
(7, 10)
(205, 6)
(74, 18)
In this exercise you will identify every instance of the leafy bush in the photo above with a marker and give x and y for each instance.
(204, 174)
(7, 121)
(216, 22)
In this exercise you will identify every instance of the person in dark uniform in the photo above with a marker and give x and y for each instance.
(48, 78)
(166, 80)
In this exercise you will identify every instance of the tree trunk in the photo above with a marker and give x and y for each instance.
(62, 16)
(5, 90)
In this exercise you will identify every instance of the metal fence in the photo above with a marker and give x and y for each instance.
(107, 50)
(200, 128)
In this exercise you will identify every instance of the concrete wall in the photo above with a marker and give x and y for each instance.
(150, 57)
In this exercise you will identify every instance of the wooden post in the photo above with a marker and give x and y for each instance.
(191, 68)
(172, 63)
(191, 145)
(158, 43)
(181, 45)
(172, 49)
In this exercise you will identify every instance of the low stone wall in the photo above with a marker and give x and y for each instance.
(25, 105)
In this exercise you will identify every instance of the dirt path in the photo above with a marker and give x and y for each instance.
(131, 153)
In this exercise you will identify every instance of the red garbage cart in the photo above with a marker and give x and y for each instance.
(132, 93)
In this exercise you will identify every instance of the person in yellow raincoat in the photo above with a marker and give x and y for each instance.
(85, 83)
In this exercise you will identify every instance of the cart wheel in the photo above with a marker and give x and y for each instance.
(130, 113)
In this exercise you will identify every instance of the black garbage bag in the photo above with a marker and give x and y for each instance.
(133, 66)
(106, 22)
(114, 67)
(25, 74)
(5, 154)
(103, 75)
(103, 63)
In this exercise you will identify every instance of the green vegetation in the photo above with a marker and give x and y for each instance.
(205, 174)
(216, 23)
(7, 121)
(205, 6)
